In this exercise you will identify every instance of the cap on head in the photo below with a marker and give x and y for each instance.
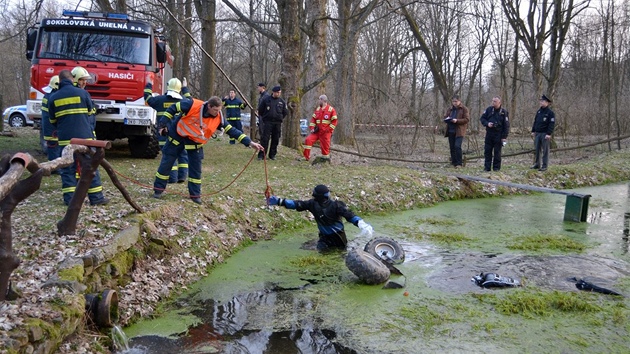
(52, 85)
(321, 192)
(276, 89)
(545, 98)
(80, 73)
(261, 84)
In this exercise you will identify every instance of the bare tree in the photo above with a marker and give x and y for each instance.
(545, 19)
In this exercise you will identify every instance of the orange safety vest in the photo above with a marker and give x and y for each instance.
(196, 127)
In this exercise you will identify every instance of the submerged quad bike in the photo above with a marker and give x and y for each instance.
(375, 263)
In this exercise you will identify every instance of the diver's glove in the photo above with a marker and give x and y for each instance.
(366, 229)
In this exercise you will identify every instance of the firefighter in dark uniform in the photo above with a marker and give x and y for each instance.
(328, 214)
(48, 130)
(175, 92)
(68, 110)
(495, 119)
(233, 106)
(189, 124)
(542, 130)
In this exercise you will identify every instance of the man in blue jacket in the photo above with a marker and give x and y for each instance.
(175, 89)
(233, 106)
(542, 130)
(48, 131)
(68, 110)
(495, 119)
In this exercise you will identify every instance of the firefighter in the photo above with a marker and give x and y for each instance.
(327, 214)
(233, 106)
(48, 131)
(322, 125)
(175, 89)
(188, 125)
(68, 110)
(81, 77)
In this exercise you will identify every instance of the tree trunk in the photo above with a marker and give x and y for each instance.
(292, 49)
(351, 18)
(206, 10)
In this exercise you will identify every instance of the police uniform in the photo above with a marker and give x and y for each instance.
(494, 136)
(233, 113)
(272, 111)
(186, 115)
(68, 110)
(544, 124)
(179, 171)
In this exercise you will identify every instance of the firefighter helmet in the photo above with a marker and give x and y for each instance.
(52, 85)
(174, 85)
(80, 73)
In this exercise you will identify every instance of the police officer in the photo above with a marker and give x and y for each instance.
(176, 90)
(495, 119)
(327, 214)
(49, 132)
(193, 124)
(272, 109)
(69, 110)
(233, 106)
(542, 130)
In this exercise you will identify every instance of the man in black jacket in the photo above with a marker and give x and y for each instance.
(495, 119)
(272, 110)
(542, 130)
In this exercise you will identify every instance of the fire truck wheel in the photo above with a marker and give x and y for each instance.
(145, 147)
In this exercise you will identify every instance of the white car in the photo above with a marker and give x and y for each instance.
(16, 116)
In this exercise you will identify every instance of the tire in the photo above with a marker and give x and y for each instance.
(145, 147)
(366, 267)
(17, 120)
(385, 248)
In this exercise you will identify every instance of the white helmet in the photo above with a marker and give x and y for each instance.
(173, 88)
(52, 85)
(80, 73)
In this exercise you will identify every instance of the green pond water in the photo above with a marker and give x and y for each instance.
(281, 296)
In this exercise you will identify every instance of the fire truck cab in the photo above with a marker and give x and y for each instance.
(120, 54)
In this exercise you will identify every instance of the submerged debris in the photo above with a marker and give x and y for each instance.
(586, 286)
(493, 280)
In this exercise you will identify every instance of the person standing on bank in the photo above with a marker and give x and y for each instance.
(194, 124)
(233, 106)
(49, 132)
(322, 125)
(176, 90)
(262, 94)
(456, 118)
(69, 109)
(272, 109)
(542, 130)
(497, 124)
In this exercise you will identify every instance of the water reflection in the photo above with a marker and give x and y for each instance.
(225, 328)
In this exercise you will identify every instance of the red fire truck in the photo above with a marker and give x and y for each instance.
(120, 54)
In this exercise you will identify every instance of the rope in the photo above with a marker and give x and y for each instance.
(207, 194)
